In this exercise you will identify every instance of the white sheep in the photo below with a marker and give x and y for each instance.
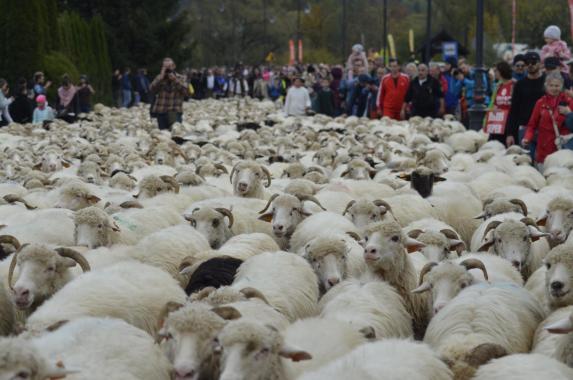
(553, 337)
(523, 366)
(46, 226)
(484, 322)
(438, 237)
(315, 224)
(286, 280)
(247, 177)
(558, 219)
(559, 277)
(129, 290)
(371, 305)
(363, 212)
(7, 317)
(389, 359)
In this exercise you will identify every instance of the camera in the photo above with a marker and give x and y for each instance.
(168, 71)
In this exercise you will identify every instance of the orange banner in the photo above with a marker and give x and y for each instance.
(300, 51)
(291, 49)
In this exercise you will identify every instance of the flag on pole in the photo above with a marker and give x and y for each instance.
(300, 51)
(392, 46)
(291, 50)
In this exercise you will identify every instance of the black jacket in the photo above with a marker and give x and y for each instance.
(21, 109)
(424, 97)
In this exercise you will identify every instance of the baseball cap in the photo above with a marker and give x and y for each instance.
(552, 63)
(532, 56)
(518, 58)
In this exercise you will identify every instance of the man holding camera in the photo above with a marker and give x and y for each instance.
(170, 89)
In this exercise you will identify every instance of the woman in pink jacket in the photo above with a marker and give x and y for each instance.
(555, 47)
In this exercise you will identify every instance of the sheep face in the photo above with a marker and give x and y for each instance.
(94, 228)
(325, 157)
(41, 272)
(363, 213)
(285, 215)
(75, 197)
(437, 246)
(358, 170)
(444, 281)
(246, 178)
(90, 172)
(558, 220)
(152, 186)
(214, 224)
(423, 181)
(384, 245)
(294, 171)
(512, 240)
(52, 161)
(21, 361)
(188, 335)
(251, 351)
(559, 276)
(327, 256)
(163, 157)
(501, 206)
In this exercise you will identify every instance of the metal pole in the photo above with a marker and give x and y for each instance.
(478, 109)
(429, 33)
(385, 32)
(344, 10)
(298, 10)
(265, 37)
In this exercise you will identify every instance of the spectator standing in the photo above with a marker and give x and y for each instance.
(43, 111)
(220, 86)
(170, 89)
(22, 107)
(392, 91)
(142, 85)
(85, 92)
(411, 70)
(526, 93)
(358, 104)
(337, 74)
(548, 119)
(325, 102)
(238, 85)
(501, 98)
(357, 61)
(555, 47)
(5, 103)
(67, 105)
(553, 65)
(40, 85)
(519, 71)
(126, 88)
(297, 100)
(276, 88)
(424, 93)
(454, 86)
(116, 88)
(210, 83)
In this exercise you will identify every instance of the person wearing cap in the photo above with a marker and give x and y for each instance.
(454, 85)
(526, 93)
(519, 67)
(553, 65)
(43, 111)
(297, 101)
(392, 91)
(424, 93)
(555, 47)
(22, 107)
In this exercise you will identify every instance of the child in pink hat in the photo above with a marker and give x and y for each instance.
(43, 111)
(555, 47)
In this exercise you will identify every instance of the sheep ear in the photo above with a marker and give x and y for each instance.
(439, 179)
(115, 227)
(92, 199)
(542, 219)
(294, 354)
(38, 166)
(268, 217)
(57, 325)
(483, 353)
(486, 246)
(66, 164)
(413, 245)
(457, 245)
(563, 326)
(227, 312)
(480, 216)
(536, 234)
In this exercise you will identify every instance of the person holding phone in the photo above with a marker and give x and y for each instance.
(548, 119)
(170, 89)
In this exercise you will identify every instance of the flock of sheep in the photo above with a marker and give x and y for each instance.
(246, 245)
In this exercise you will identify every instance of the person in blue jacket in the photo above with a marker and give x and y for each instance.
(454, 91)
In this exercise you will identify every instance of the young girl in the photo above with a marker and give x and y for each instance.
(555, 47)
(43, 111)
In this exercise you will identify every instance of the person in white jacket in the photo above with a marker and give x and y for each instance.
(5, 117)
(297, 100)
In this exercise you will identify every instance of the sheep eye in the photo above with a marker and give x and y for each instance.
(50, 269)
(525, 238)
(548, 265)
(257, 174)
(158, 189)
(499, 241)
(216, 223)
(365, 238)
(463, 285)
(395, 238)
(22, 375)
(193, 222)
(100, 226)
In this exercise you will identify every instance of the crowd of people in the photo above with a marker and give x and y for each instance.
(533, 92)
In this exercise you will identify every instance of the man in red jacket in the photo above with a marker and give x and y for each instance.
(392, 91)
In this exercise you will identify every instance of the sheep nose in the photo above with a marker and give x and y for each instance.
(371, 253)
(333, 281)
(21, 292)
(556, 285)
(243, 186)
(184, 373)
(516, 264)
(278, 227)
(160, 161)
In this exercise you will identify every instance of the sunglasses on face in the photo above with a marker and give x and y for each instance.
(531, 63)
(520, 66)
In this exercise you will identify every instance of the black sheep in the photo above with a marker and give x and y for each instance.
(216, 272)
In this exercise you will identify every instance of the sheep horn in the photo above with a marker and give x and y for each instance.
(271, 199)
(198, 169)
(491, 226)
(13, 265)
(76, 256)
(379, 202)
(233, 172)
(172, 181)
(345, 173)
(350, 204)
(450, 234)
(529, 222)
(253, 293)
(268, 174)
(521, 204)
(221, 167)
(487, 201)
(11, 198)
(179, 152)
(354, 235)
(428, 267)
(9, 239)
(131, 204)
(186, 263)
(414, 234)
(228, 214)
(475, 264)
(310, 198)
(168, 308)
